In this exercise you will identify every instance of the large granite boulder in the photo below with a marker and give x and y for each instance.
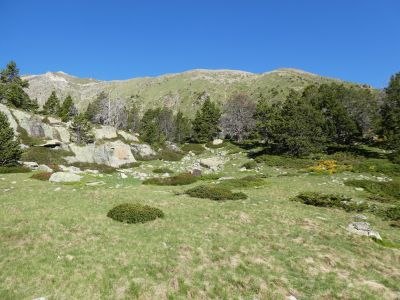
(142, 150)
(114, 154)
(105, 133)
(64, 177)
(128, 136)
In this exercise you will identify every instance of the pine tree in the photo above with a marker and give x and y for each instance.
(81, 130)
(391, 113)
(10, 151)
(182, 128)
(12, 89)
(52, 105)
(205, 124)
(67, 110)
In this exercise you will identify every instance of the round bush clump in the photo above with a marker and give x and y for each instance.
(214, 193)
(180, 179)
(45, 176)
(134, 213)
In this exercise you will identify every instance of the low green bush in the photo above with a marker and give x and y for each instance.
(244, 182)
(44, 176)
(92, 166)
(285, 161)
(180, 179)
(391, 213)
(170, 155)
(162, 171)
(395, 157)
(376, 165)
(214, 193)
(134, 213)
(27, 139)
(14, 169)
(250, 165)
(390, 190)
(43, 155)
(195, 148)
(330, 200)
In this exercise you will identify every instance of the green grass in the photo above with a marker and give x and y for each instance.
(180, 179)
(243, 182)
(195, 148)
(14, 169)
(57, 241)
(162, 171)
(387, 191)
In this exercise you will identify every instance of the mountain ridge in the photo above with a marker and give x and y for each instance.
(183, 91)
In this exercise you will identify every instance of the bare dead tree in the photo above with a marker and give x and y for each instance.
(237, 120)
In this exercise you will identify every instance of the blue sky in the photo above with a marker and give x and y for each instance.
(355, 40)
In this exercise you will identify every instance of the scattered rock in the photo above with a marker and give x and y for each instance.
(31, 165)
(363, 228)
(123, 175)
(195, 172)
(71, 169)
(45, 168)
(217, 142)
(212, 163)
(69, 257)
(64, 177)
(360, 217)
(95, 183)
(359, 189)
(57, 189)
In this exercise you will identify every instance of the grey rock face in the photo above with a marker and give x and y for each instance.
(114, 154)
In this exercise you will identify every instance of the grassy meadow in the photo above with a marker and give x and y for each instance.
(57, 242)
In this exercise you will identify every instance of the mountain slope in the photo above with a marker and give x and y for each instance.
(184, 91)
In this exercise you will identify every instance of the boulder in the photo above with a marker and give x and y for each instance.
(51, 144)
(105, 133)
(71, 169)
(128, 136)
(172, 146)
(212, 163)
(113, 154)
(45, 168)
(217, 142)
(30, 164)
(363, 228)
(64, 177)
(142, 150)
(195, 172)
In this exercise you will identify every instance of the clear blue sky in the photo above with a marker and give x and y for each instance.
(356, 40)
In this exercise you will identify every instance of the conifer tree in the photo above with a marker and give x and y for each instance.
(67, 110)
(205, 124)
(10, 151)
(81, 130)
(391, 113)
(52, 105)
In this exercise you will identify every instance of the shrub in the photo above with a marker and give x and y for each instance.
(16, 169)
(329, 200)
(162, 171)
(389, 189)
(43, 155)
(170, 155)
(92, 166)
(214, 193)
(180, 179)
(391, 213)
(211, 176)
(395, 157)
(244, 182)
(284, 161)
(374, 165)
(250, 165)
(134, 213)
(195, 148)
(42, 176)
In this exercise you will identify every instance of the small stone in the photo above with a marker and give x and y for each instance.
(359, 189)
(124, 176)
(69, 257)
(57, 189)
(13, 182)
(360, 217)
(95, 183)
(291, 297)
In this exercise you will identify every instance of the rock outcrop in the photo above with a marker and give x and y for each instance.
(64, 177)
(142, 150)
(114, 154)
